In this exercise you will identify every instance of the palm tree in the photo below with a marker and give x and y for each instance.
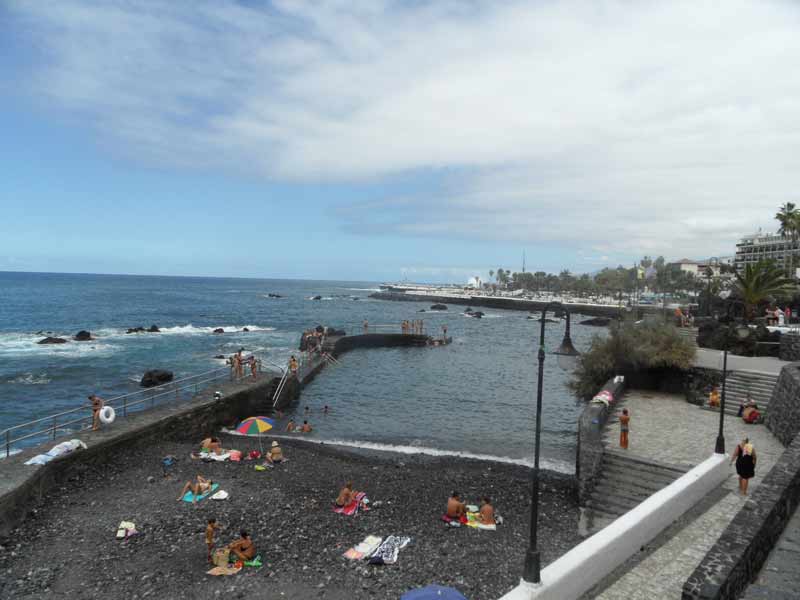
(758, 282)
(789, 218)
(491, 273)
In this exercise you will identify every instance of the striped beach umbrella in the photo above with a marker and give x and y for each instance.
(255, 425)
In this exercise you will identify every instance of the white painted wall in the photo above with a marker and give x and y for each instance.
(590, 561)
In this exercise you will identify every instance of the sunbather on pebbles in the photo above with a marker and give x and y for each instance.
(275, 454)
(211, 444)
(486, 513)
(243, 548)
(198, 488)
(346, 495)
(455, 507)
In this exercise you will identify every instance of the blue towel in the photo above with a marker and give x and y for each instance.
(189, 495)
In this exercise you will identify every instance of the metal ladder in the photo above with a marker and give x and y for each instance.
(279, 389)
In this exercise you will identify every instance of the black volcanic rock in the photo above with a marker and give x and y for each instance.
(219, 330)
(52, 340)
(155, 377)
(82, 336)
(153, 329)
(597, 322)
(136, 330)
(245, 330)
(438, 307)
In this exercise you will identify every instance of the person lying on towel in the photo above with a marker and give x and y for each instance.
(486, 514)
(455, 507)
(199, 487)
(346, 495)
(243, 548)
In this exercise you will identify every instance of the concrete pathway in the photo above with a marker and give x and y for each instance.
(666, 428)
(712, 359)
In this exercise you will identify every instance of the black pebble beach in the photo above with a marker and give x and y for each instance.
(68, 546)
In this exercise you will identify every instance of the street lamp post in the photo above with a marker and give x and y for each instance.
(742, 331)
(566, 355)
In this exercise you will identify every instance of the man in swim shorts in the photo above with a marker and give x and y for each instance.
(97, 405)
(455, 507)
(243, 548)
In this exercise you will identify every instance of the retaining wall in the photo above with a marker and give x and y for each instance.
(783, 416)
(738, 555)
(790, 347)
(590, 440)
(589, 562)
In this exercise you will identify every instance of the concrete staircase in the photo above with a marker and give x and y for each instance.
(739, 384)
(689, 333)
(626, 481)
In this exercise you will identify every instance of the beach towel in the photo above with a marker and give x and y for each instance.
(388, 551)
(352, 508)
(189, 495)
(365, 548)
(256, 562)
(224, 571)
(474, 522)
(126, 529)
(210, 456)
(56, 451)
(462, 520)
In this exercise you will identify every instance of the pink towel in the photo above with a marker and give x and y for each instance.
(351, 508)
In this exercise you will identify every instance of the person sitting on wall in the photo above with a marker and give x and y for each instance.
(713, 397)
(243, 548)
(290, 426)
(455, 507)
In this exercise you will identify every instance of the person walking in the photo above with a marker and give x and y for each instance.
(624, 426)
(745, 458)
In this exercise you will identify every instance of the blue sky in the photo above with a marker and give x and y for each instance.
(378, 141)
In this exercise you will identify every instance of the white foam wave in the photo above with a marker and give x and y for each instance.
(182, 330)
(560, 466)
(31, 379)
(362, 289)
(22, 344)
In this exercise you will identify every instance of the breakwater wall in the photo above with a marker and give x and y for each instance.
(505, 303)
(591, 423)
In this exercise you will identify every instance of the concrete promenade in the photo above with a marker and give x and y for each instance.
(664, 427)
(712, 359)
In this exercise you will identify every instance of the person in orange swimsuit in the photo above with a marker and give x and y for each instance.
(624, 426)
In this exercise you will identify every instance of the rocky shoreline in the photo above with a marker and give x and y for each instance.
(68, 546)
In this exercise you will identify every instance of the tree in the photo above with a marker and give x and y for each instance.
(646, 262)
(633, 351)
(758, 283)
(789, 219)
(491, 273)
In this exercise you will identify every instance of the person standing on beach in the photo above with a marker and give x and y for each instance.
(254, 367)
(745, 458)
(97, 405)
(624, 426)
(293, 366)
(239, 364)
(212, 525)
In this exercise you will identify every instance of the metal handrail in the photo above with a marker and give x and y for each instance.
(150, 394)
(381, 328)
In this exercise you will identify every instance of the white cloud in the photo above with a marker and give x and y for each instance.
(613, 126)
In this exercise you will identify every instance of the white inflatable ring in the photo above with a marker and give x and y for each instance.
(107, 415)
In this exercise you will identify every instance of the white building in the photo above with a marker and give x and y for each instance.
(760, 246)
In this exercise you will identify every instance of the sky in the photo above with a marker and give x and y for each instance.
(377, 140)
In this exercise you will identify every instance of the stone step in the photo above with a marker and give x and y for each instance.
(611, 488)
(616, 505)
(625, 458)
(649, 481)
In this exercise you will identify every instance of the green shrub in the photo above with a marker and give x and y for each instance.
(633, 351)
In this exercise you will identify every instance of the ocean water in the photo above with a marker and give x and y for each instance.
(476, 396)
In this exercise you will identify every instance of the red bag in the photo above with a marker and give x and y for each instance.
(253, 455)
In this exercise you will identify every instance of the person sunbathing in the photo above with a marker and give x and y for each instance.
(346, 495)
(275, 454)
(200, 487)
(306, 428)
(243, 548)
(455, 507)
(486, 514)
(211, 444)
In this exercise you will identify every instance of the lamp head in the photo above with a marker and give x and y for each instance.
(567, 355)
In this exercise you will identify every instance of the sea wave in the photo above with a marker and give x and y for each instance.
(560, 466)
(26, 343)
(29, 379)
(362, 289)
(183, 330)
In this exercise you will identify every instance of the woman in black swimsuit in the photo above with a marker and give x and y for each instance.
(745, 458)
